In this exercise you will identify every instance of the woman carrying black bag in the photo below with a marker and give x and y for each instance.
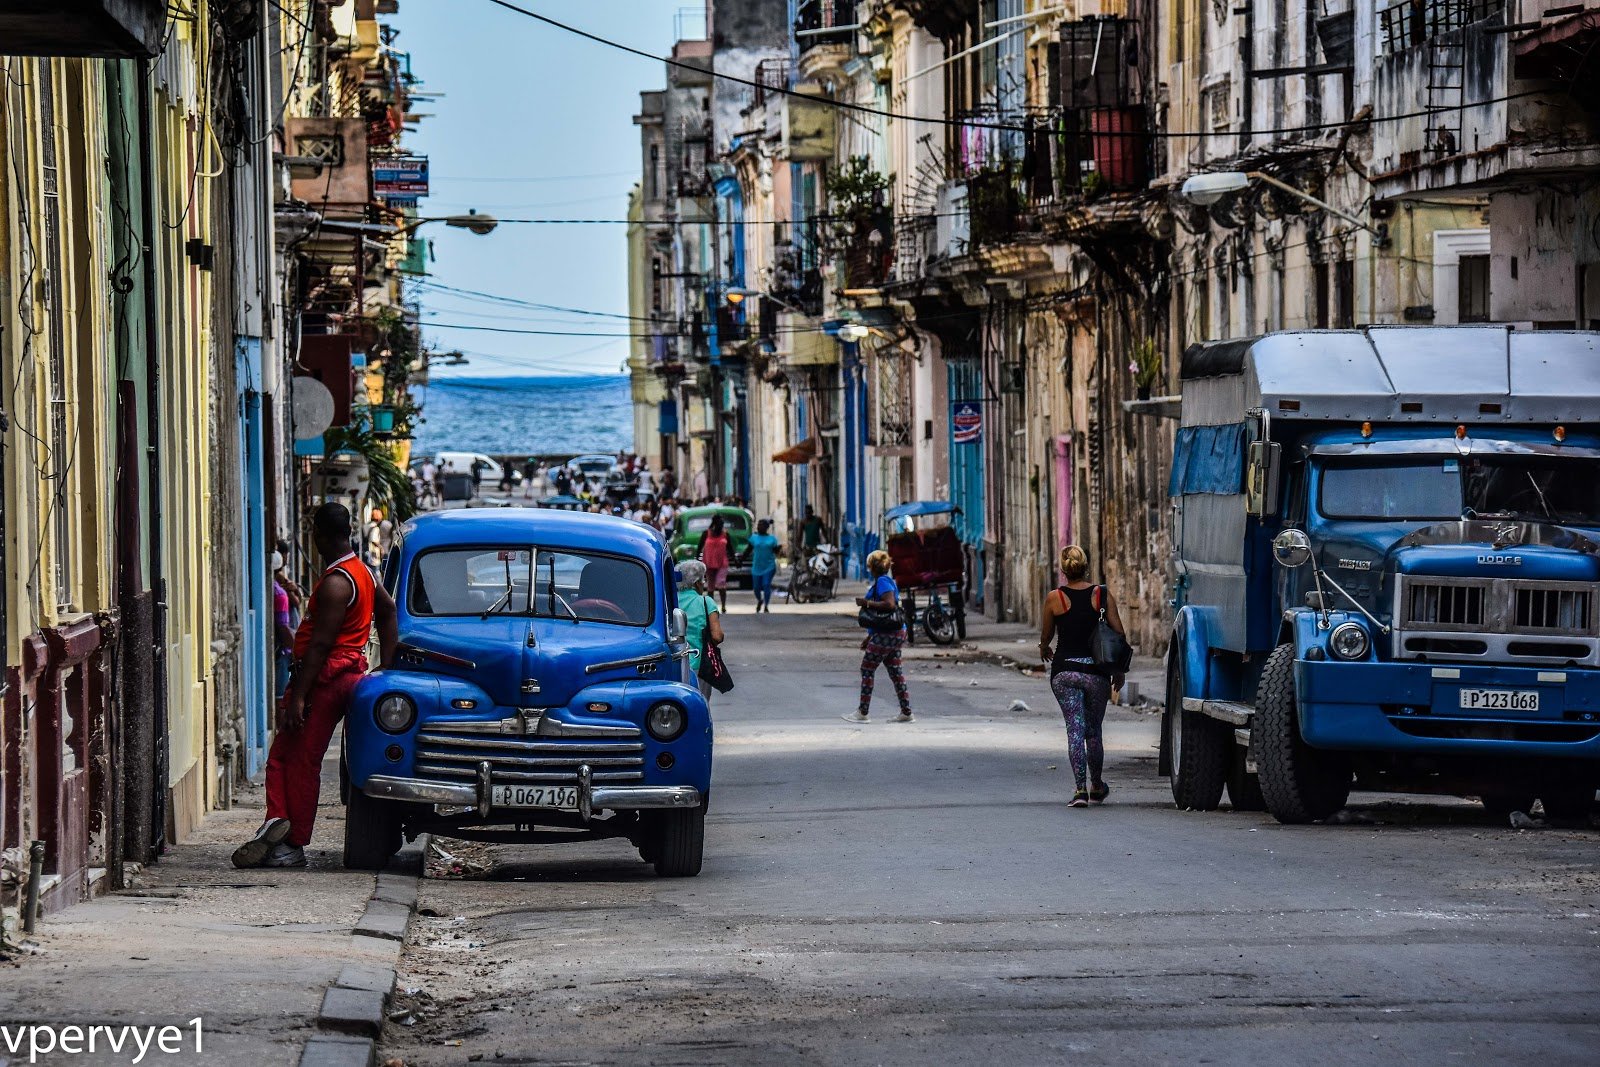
(886, 635)
(1072, 615)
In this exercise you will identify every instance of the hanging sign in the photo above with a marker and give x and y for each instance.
(400, 176)
(967, 422)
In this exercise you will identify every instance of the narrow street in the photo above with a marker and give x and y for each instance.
(921, 894)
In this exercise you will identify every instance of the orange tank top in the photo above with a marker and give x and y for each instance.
(357, 626)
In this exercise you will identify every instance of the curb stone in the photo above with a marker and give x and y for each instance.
(353, 1007)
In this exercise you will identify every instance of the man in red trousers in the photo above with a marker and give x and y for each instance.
(329, 659)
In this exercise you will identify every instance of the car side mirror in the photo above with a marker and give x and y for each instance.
(1292, 548)
(677, 625)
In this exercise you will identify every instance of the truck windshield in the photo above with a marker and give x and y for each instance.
(565, 584)
(1540, 488)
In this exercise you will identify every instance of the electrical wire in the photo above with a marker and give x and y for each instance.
(864, 109)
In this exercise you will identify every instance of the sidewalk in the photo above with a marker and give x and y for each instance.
(1016, 645)
(249, 952)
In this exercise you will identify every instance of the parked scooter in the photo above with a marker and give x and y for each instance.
(816, 578)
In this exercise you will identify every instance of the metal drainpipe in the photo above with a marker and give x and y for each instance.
(158, 584)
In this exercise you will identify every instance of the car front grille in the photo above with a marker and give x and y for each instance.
(446, 754)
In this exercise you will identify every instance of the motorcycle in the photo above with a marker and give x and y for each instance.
(816, 578)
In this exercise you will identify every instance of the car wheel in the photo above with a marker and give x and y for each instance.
(1299, 783)
(371, 831)
(679, 843)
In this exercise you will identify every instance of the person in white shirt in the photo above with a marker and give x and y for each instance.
(646, 481)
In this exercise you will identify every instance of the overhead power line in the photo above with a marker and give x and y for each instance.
(976, 124)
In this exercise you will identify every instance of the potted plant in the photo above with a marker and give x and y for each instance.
(1146, 367)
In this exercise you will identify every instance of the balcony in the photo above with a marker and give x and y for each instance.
(108, 28)
(825, 32)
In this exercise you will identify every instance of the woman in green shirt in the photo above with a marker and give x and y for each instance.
(701, 613)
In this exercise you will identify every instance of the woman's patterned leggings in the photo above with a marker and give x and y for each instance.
(1083, 705)
(883, 648)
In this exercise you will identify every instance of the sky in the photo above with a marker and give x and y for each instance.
(533, 123)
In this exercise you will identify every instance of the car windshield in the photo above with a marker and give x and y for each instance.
(701, 523)
(558, 583)
(1541, 488)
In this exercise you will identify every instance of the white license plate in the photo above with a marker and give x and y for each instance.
(534, 796)
(1499, 700)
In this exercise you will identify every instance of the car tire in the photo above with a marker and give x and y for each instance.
(1300, 784)
(372, 828)
(679, 843)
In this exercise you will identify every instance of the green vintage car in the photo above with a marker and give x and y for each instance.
(690, 524)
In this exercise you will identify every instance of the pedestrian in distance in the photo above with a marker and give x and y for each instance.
(763, 564)
(700, 612)
(714, 554)
(811, 533)
(882, 646)
(329, 659)
(1081, 686)
(283, 631)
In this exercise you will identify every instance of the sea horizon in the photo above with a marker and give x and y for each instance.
(543, 414)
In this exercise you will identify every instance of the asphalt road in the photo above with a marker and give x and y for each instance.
(921, 894)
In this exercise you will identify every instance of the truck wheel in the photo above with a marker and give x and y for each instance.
(1199, 748)
(1298, 783)
(1244, 788)
(371, 831)
(679, 843)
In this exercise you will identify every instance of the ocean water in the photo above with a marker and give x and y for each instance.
(565, 415)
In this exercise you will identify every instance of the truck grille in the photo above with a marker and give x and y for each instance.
(455, 755)
(1564, 610)
(1438, 604)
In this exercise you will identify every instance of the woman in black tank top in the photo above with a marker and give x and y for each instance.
(1082, 688)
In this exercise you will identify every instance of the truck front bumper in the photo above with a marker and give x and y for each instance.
(591, 798)
(1416, 707)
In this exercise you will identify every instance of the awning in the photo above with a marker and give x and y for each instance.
(800, 452)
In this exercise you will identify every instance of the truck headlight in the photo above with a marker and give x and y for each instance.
(665, 722)
(395, 713)
(1349, 641)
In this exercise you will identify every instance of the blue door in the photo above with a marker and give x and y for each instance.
(969, 431)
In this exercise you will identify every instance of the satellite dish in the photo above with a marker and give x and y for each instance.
(313, 407)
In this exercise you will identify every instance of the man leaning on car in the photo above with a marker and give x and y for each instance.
(329, 659)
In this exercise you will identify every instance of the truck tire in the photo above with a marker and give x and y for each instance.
(1244, 788)
(1200, 749)
(371, 831)
(679, 843)
(1299, 783)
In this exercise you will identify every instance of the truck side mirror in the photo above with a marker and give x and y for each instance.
(1261, 478)
(677, 625)
(1292, 548)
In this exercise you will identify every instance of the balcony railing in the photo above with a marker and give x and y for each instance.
(824, 22)
(1413, 22)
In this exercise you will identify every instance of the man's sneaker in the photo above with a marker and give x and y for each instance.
(1080, 799)
(285, 856)
(1098, 793)
(859, 716)
(904, 716)
(254, 851)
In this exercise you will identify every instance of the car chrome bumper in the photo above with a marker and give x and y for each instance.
(592, 797)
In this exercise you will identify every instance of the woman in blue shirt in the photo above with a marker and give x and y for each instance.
(763, 564)
(882, 646)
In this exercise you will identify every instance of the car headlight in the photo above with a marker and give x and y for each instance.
(665, 722)
(395, 713)
(1349, 641)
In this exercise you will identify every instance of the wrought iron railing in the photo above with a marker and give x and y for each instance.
(820, 22)
(1410, 23)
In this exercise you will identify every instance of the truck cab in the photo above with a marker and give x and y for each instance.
(540, 692)
(1388, 570)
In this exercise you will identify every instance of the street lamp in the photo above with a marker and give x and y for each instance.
(1206, 189)
(476, 223)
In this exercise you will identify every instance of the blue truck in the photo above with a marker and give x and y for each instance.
(1387, 570)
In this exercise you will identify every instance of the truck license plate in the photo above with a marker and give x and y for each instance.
(564, 797)
(1499, 700)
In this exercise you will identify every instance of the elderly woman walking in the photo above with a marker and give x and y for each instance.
(701, 613)
(882, 646)
(1080, 685)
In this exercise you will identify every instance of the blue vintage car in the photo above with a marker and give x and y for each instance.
(541, 692)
